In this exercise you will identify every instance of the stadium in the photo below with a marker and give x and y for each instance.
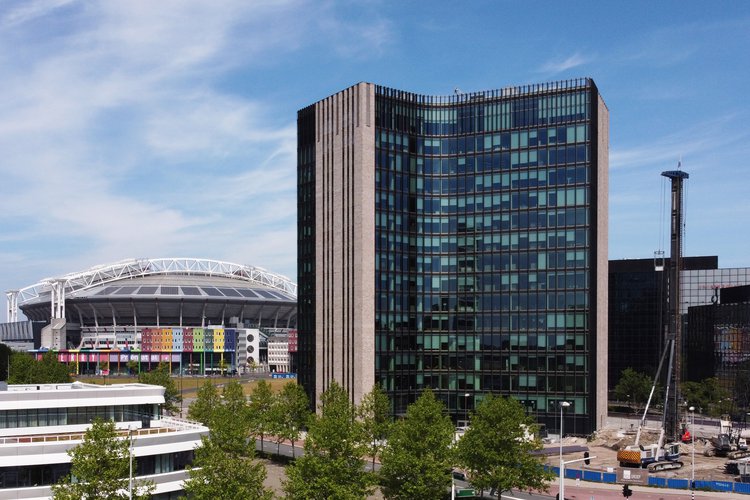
(199, 315)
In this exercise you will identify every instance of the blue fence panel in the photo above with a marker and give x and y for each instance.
(714, 485)
(661, 482)
(572, 473)
(609, 477)
(741, 488)
(554, 470)
(590, 475)
(678, 483)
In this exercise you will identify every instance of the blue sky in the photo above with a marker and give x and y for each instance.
(167, 129)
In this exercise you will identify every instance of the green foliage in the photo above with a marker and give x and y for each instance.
(161, 376)
(331, 467)
(206, 401)
(633, 387)
(224, 466)
(101, 466)
(416, 462)
(375, 414)
(223, 476)
(230, 423)
(496, 448)
(291, 412)
(708, 397)
(5, 353)
(261, 407)
(24, 369)
(741, 388)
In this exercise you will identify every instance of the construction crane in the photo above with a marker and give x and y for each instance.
(660, 456)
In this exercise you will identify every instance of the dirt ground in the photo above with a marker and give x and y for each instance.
(606, 443)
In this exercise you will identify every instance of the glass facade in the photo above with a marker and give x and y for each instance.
(485, 211)
(41, 417)
(711, 323)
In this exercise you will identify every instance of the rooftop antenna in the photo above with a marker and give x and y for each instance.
(457, 91)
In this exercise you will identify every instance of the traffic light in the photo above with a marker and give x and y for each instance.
(586, 456)
(626, 491)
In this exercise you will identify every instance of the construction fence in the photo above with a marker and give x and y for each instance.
(659, 482)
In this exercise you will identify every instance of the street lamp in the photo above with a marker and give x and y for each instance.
(692, 458)
(130, 456)
(563, 404)
(466, 409)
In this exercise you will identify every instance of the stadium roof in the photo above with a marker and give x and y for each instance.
(184, 278)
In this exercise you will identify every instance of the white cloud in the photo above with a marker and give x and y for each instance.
(571, 62)
(28, 11)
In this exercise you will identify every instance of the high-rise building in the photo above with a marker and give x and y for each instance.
(457, 243)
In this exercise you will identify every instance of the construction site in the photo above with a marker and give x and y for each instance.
(663, 444)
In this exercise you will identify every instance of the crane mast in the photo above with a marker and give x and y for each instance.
(671, 417)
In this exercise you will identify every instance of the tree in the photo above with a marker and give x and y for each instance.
(206, 401)
(416, 462)
(335, 446)
(496, 449)
(291, 412)
(5, 354)
(223, 365)
(220, 475)
(261, 405)
(24, 369)
(633, 387)
(101, 468)
(708, 396)
(161, 376)
(132, 366)
(224, 466)
(375, 413)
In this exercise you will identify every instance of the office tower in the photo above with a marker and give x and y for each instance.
(457, 243)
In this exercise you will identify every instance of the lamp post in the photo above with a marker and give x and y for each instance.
(466, 409)
(692, 458)
(563, 404)
(130, 456)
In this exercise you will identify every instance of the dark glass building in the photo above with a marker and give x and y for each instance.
(638, 311)
(638, 308)
(457, 243)
(723, 330)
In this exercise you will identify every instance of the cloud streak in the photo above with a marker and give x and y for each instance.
(572, 61)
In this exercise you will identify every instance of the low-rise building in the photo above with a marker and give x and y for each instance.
(40, 423)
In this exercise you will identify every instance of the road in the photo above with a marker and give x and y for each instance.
(573, 490)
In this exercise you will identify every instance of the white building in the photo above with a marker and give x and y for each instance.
(40, 423)
(278, 353)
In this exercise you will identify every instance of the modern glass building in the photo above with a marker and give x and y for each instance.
(457, 243)
(713, 317)
(638, 309)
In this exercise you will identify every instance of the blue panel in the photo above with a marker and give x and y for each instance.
(609, 477)
(572, 473)
(590, 475)
(678, 483)
(741, 488)
(657, 481)
(714, 485)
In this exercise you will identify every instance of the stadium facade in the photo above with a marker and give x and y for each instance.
(198, 315)
(457, 243)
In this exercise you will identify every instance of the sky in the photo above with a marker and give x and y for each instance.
(134, 129)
